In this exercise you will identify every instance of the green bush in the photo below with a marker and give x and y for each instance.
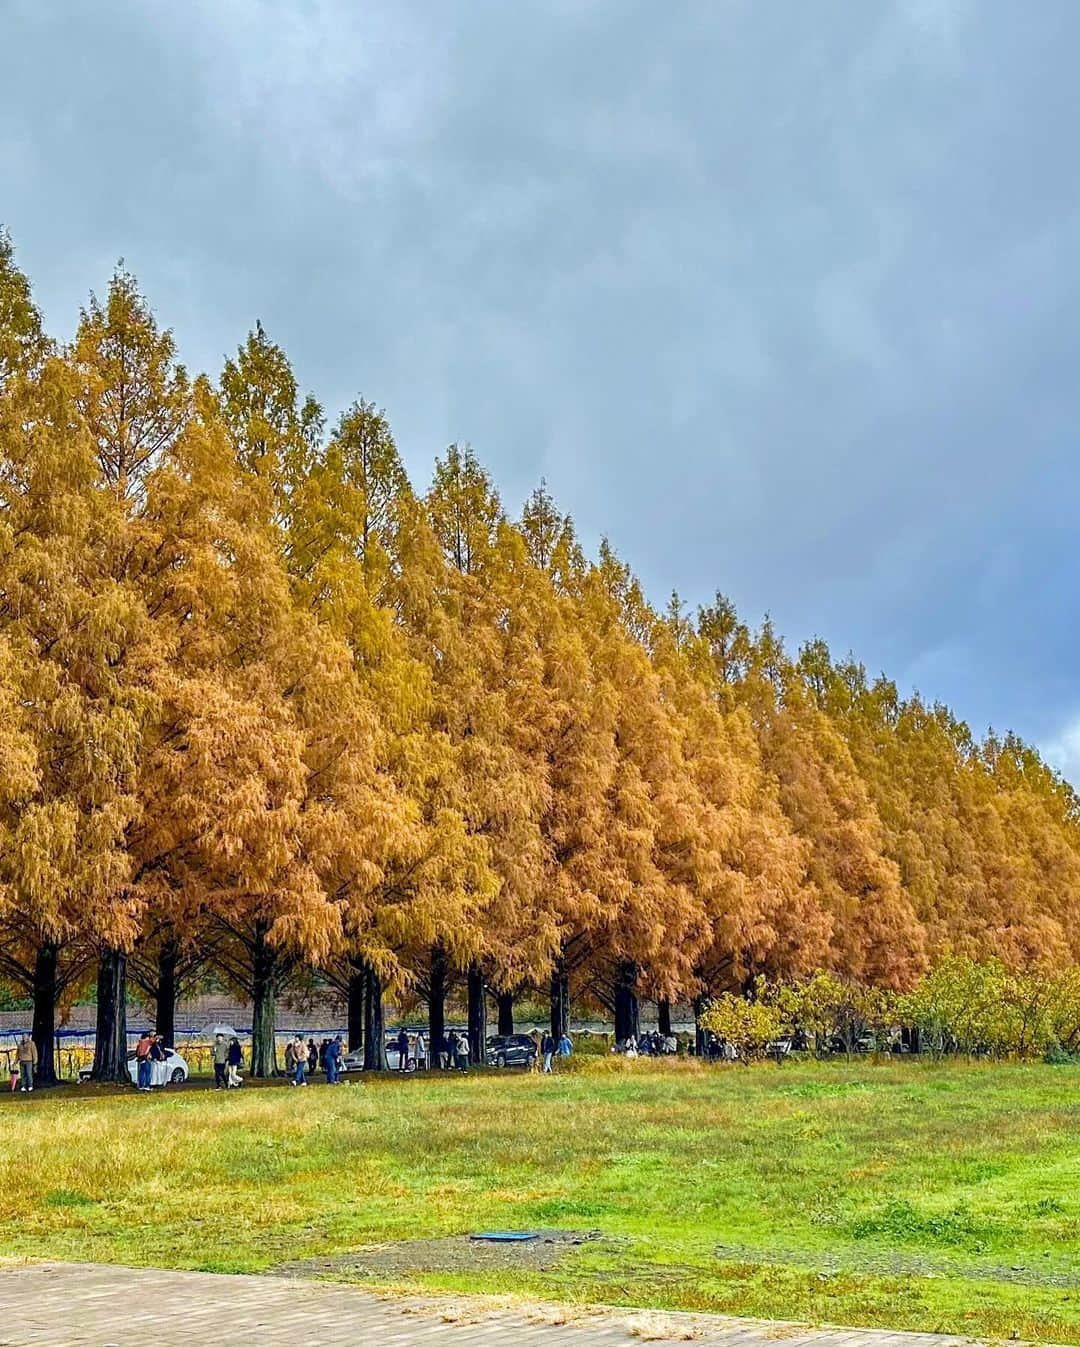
(960, 1006)
(970, 1007)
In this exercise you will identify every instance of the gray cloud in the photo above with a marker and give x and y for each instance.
(780, 297)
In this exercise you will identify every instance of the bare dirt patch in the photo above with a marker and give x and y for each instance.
(454, 1253)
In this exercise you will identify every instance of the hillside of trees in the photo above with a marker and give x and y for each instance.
(271, 711)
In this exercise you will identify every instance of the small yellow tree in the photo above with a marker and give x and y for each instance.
(749, 1026)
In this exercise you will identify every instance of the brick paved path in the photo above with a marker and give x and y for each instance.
(91, 1305)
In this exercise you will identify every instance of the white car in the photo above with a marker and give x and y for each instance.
(354, 1061)
(172, 1071)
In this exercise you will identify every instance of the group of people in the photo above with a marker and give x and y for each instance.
(454, 1050)
(302, 1058)
(228, 1059)
(655, 1044)
(412, 1050)
(148, 1050)
(452, 1053)
(549, 1049)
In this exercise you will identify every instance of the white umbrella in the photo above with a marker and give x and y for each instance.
(225, 1029)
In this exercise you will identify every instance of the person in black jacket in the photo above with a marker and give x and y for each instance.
(547, 1051)
(234, 1063)
(403, 1049)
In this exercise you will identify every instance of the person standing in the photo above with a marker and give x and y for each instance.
(157, 1054)
(403, 1049)
(312, 1056)
(27, 1055)
(142, 1062)
(421, 1051)
(333, 1061)
(566, 1047)
(547, 1051)
(300, 1057)
(234, 1063)
(221, 1061)
(461, 1053)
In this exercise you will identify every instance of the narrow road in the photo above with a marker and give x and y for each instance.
(93, 1305)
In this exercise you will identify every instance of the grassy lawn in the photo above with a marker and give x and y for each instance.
(906, 1194)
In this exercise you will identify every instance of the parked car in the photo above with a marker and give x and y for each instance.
(864, 1042)
(173, 1070)
(354, 1061)
(511, 1050)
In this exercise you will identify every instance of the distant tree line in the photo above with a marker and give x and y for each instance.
(960, 1006)
(267, 710)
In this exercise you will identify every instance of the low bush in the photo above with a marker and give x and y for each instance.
(960, 1006)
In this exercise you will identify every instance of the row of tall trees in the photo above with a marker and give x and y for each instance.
(267, 710)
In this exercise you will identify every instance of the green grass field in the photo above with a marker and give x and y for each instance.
(904, 1194)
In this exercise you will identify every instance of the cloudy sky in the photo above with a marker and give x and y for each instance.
(781, 297)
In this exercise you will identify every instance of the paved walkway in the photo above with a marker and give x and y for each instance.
(91, 1305)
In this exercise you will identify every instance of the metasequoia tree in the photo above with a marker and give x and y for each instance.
(488, 686)
(358, 526)
(83, 640)
(749, 868)
(339, 526)
(31, 921)
(23, 343)
(875, 933)
(312, 818)
(212, 579)
(650, 861)
(575, 738)
(342, 520)
(134, 402)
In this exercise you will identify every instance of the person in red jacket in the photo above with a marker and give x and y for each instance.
(143, 1061)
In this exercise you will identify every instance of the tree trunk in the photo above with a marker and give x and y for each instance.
(44, 1026)
(264, 1006)
(165, 1000)
(506, 1012)
(909, 1037)
(437, 1006)
(626, 1002)
(699, 1032)
(663, 1017)
(477, 1017)
(560, 1002)
(374, 1027)
(355, 997)
(110, 1045)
